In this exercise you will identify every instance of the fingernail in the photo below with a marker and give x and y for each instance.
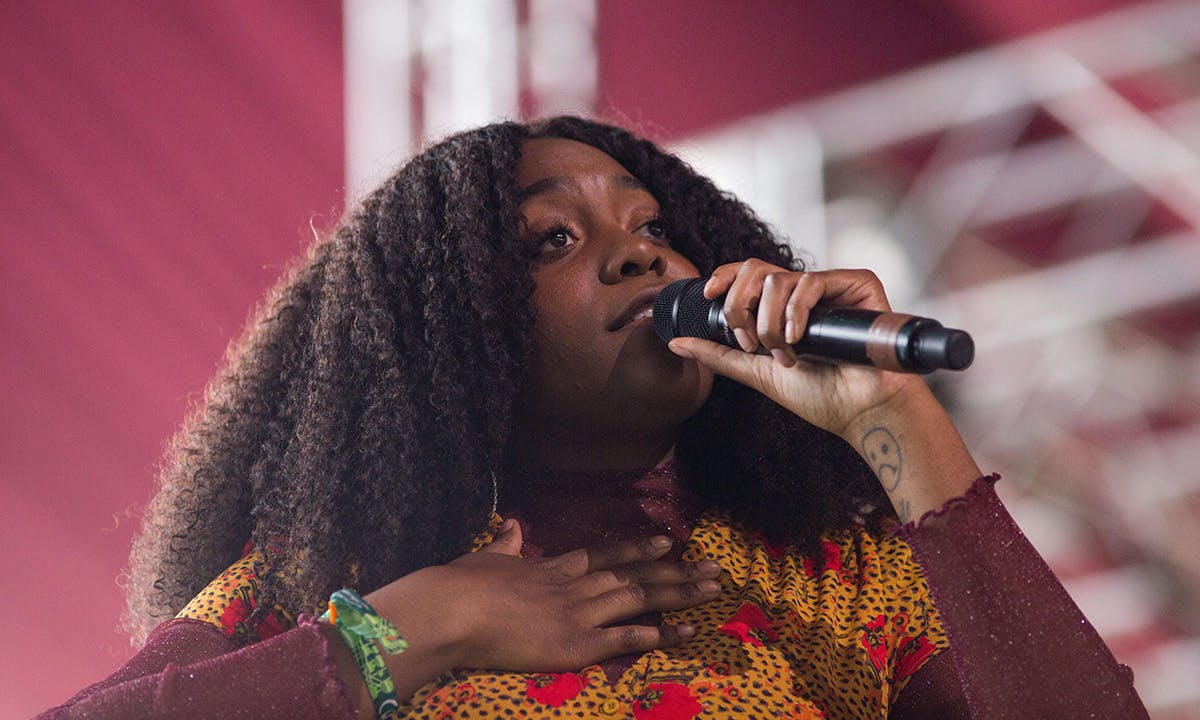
(678, 349)
(685, 631)
(781, 357)
(743, 339)
(708, 567)
(708, 586)
(789, 332)
(506, 526)
(660, 542)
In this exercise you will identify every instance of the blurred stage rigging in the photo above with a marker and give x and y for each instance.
(1040, 188)
(1044, 193)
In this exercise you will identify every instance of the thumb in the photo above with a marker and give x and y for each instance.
(508, 539)
(746, 368)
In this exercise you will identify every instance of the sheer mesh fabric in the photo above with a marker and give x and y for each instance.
(189, 669)
(1025, 649)
(1020, 648)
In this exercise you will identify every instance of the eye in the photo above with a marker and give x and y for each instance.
(556, 238)
(654, 228)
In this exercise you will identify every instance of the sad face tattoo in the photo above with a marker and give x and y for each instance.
(883, 453)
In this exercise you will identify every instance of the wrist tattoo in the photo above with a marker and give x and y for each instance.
(883, 454)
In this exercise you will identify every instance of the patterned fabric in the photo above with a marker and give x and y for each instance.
(834, 636)
(230, 601)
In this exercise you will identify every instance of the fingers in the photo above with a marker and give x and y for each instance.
(646, 573)
(745, 368)
(742, 295)
(756, 293)
(773, 311)
(808, 290)
(578, 563)
(847, 288)
(769, 306)
(666, 572)
(625, 639)
(804, 295)
(721, 278)
(624, 580)
(637, 598)
(558, 611)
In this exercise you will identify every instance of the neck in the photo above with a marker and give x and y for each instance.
(547, 450)
(547, 485)
(565, 510)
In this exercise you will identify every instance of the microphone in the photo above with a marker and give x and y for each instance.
(888, 341)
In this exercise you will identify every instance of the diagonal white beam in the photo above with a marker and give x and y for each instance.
(1123, 135)
(1058, 171)
(1044, 302)
(924, 101)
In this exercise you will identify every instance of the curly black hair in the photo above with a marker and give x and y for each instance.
(346, 432)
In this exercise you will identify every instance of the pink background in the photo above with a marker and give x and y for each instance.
(162, 161)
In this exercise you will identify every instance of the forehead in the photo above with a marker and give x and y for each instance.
(545, 158)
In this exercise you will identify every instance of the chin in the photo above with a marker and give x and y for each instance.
(671, 398)
(681, 383)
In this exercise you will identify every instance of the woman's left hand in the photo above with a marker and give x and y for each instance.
(768, 305)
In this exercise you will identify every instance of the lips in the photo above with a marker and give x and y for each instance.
(639, 306)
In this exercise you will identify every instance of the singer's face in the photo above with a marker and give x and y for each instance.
(598, 366)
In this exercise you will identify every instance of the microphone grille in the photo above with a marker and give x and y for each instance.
(681, 310)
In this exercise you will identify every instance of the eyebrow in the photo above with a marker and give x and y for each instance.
(559, 183)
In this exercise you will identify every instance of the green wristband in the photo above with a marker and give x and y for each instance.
(360, 626)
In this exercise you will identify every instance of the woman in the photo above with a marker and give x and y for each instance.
(680, 531)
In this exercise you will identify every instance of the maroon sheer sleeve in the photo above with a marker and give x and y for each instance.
(933, 691)
(1022, 647)
(191, 670)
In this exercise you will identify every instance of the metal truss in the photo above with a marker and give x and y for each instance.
(418, 70)
(1044, 195)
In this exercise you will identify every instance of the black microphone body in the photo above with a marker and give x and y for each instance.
(888, 341)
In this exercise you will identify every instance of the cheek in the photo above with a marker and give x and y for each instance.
(563, 360)
(562, 328)
(566, 355)
(682, 266)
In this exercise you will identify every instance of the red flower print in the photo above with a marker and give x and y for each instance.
(910, 653)
(873, 640)
(464, 692)
(554, 689)
(666, 701)
(440, 696)
(234, 614)
(831, 560)
(750, 624)
(269, 626)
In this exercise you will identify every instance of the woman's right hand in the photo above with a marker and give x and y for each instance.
(494, 609)
(553, 614)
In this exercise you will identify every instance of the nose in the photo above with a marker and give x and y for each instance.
(631, 256)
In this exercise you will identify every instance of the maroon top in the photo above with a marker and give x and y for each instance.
(564, 511)
(996, 596)
(1022, 647)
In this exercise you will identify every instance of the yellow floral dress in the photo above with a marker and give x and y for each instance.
(790, 636)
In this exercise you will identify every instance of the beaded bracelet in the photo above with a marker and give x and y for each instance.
(360, 626)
